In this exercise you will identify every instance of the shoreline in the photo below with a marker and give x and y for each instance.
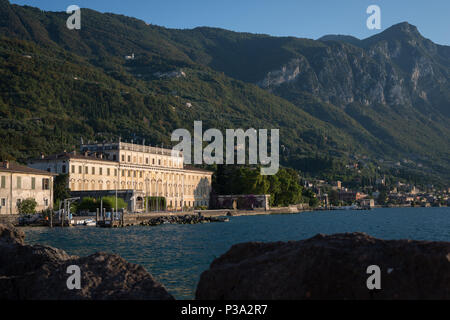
(199, 216)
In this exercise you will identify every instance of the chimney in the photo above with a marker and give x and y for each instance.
(6, 164)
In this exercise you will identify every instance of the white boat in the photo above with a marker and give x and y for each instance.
(90, 223)
(352, 207)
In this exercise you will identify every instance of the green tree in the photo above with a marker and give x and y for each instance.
(284, 187)
(88, 204)
(109, 203)
(156, 203)
(27, 206)
(290, 191)
(61, 189)
(333, 197)
(253, 182)
(310, 197)
(382, 197)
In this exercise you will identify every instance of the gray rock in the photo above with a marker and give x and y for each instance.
(39, 273)
(9, 234)
(329, 267)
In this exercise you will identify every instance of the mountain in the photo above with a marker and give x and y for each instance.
(383, 99)
(341, 38)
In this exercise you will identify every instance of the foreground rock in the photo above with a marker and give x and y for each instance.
(39, 272)
(329, 267)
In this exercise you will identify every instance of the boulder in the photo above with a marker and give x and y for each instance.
(329, 267)
(40, 273)
(9, 234)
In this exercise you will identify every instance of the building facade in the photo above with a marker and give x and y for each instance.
(351, 196)
(147, 171)
(18, 183)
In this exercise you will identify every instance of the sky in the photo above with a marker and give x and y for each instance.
(299, 18)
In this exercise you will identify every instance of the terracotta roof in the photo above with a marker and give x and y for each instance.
(17, 168)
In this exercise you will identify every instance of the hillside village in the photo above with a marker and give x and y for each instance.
(399, 194)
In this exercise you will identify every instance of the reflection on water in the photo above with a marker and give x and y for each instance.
(176, 255)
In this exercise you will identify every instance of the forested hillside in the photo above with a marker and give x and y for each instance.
(383, 99)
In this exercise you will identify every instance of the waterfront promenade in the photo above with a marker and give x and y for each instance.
(195, 216)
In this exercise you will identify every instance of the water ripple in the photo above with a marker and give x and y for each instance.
(176, 255)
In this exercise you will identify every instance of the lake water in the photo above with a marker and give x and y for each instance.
(176, 255)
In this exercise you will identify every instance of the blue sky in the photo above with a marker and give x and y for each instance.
(300, 18)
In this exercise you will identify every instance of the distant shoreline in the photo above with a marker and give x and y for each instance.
(137, 218)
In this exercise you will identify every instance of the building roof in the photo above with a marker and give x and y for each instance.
(99, 147)
(17, 168)
(192, 168)
(85, 156)
(68, 156)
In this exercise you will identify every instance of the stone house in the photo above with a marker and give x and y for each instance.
(18, 183)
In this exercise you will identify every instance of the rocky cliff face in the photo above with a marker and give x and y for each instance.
(396, 67)
(329, 267)
(40, 273)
